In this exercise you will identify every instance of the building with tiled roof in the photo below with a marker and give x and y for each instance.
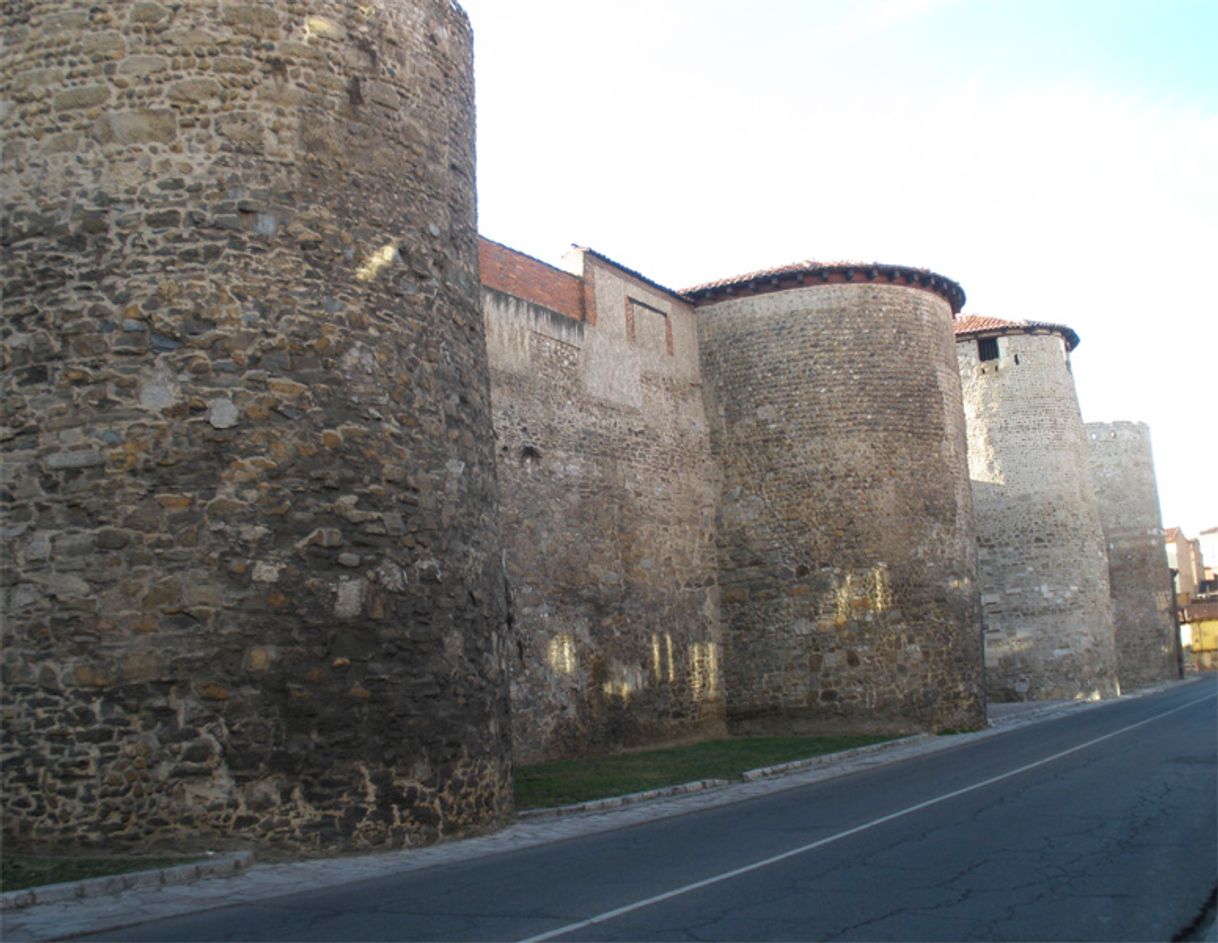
(977, 325)
(1043, 567)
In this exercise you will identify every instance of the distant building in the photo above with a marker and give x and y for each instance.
(1203, 622)
(1185, 559)
(1207, 550)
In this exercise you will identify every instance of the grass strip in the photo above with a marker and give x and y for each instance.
(541, 785)
(18, 872)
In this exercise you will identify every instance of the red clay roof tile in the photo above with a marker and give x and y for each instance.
(975, 325)
(795, 274)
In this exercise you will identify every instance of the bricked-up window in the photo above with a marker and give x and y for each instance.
(987, 348)
(642, 321)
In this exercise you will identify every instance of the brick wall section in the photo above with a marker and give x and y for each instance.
(521, 276)
(252, 588)
(847, 559)
(1043, 564)
(608, 492)
(1123, 469)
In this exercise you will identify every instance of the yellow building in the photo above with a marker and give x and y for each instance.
(1202, 619)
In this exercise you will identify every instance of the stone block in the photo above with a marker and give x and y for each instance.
(87, 96)
(142, 126)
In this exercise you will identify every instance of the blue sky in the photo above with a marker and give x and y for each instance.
(1058, 159)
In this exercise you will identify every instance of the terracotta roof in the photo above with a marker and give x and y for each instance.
(975, 325)
(1171, 535)
(809, 272)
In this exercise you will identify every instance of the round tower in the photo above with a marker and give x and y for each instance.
(1042, 564)
(253, 589)
(1144, 614)
(845, 531)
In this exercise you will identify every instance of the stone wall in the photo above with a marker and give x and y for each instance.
(607, 507)
(1123, 469)
(252, 587)
(845, 532)
(1043, 566)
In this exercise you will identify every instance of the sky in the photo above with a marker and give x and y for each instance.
(1057, 158)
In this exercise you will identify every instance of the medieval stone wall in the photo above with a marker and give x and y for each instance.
(607, 509)
(1122, 467)
(1042, 561)
(845, 533)
(252, 587)
(257, 585)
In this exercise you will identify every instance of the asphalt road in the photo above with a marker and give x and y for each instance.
(1098, 825)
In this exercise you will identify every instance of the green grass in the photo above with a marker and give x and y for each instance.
(541, 785)
(18, 872)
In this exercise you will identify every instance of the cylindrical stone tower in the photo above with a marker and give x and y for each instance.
(1144, 615)
(253, 589)
(845, 532)
(1043, 569)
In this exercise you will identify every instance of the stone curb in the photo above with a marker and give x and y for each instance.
(616, 802)
(218, 866)
(826, 759)
(748, 776)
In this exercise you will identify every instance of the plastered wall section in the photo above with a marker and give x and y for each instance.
(845, 531)
(1122, 466)
(1043, 562)
(252, 589)
(607, 512)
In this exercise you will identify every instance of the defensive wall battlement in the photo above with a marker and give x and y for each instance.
(311, 530)
(1122, 468)
(825, 605)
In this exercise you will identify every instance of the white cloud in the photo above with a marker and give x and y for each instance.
(863, 20)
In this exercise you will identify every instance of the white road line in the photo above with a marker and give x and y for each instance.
(802, 849)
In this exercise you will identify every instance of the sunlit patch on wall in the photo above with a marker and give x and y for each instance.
(661, 648)
(378, 261)
(623, 681)
(561, 655)
(321, 26)
(859, 595)
(704, 670)
(879, 589)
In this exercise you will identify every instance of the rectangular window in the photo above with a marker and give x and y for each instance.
(987, 348)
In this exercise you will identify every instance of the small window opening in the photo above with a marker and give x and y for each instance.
(1017, 360)
(987, 348)
(530, 455)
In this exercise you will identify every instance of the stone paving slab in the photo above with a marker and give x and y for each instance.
(58, 920)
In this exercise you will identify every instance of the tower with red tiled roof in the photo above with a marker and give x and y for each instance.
(1042, 560)
(846, 551)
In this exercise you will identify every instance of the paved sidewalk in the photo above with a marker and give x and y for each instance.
(52, 921)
